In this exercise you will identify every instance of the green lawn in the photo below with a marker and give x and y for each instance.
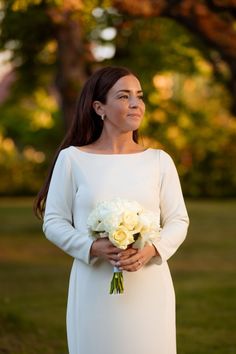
(34, 280)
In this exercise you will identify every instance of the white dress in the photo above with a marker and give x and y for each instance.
(142, 320)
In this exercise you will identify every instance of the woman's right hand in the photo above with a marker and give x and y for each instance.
(103, 248)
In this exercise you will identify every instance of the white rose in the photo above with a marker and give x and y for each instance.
(121, 237)
(144, 222)
(93, 220)
(111, 222)
(130, 220)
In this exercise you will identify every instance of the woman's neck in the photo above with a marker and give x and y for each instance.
(115, 145)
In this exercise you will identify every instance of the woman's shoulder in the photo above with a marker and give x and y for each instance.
(162, 154)
(68, 151)
(67, 155)
(164, 159)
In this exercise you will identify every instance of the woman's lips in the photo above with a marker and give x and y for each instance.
(134, 115)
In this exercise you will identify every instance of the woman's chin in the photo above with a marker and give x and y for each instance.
(134, 125)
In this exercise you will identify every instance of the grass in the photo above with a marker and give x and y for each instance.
(34, 279)
(204, 272)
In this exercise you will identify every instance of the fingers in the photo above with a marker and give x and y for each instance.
(130, 259)
(133, 267)
(127, 253)
(131, 263)
(115, 254)
(112, 250)
(113, 263)
(104, 248)
(113, 257)
(137, 260)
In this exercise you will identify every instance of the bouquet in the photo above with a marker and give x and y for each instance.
(125, 223)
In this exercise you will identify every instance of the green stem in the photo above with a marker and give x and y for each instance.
(117, 283)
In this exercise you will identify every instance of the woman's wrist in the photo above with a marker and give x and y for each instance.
(93, 249)
(155, 251)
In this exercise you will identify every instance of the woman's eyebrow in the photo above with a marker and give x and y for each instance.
(128, 91)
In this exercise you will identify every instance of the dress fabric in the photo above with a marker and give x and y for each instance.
(142, 320)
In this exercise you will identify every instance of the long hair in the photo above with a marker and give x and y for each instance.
(86, 126)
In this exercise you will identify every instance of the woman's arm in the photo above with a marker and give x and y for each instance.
(174, 217)
(58, 219)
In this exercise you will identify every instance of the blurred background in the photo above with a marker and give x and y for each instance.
(184, 53)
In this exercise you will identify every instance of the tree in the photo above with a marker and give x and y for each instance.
(213, 21)
(28, 27)
(65, 22)
(184, 80)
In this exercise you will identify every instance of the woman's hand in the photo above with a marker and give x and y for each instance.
(103, 248)
(133, 262)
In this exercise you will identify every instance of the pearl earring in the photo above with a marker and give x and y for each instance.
(102, 116)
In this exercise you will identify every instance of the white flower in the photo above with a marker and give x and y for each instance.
(93, 220)
(122, 220)
(121, 237)
(130, 220)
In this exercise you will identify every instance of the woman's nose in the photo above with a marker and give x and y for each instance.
(133, 102)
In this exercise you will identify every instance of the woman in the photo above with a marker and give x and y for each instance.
(100, 159)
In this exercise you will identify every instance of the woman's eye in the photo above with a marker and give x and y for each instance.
(124, 96)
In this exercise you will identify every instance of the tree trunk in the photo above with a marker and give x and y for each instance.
(73, 61)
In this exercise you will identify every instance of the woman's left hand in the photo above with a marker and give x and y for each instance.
(136, 261)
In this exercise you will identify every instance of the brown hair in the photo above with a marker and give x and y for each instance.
(86, 126)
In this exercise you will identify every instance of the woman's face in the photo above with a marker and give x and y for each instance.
(124, 108)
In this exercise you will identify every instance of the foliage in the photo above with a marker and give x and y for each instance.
(187, 104)
(188, 107)
(28, 35)
(30, 129)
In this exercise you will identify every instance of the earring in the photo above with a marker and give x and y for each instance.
(102, 116)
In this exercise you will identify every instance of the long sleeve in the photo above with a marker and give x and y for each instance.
(58, 219)
(174, 217)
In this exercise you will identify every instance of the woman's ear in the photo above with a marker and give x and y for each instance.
(98, 107)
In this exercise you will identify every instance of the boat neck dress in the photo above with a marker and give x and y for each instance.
(142, 319)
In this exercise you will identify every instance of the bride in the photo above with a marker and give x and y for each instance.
(100, 159)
